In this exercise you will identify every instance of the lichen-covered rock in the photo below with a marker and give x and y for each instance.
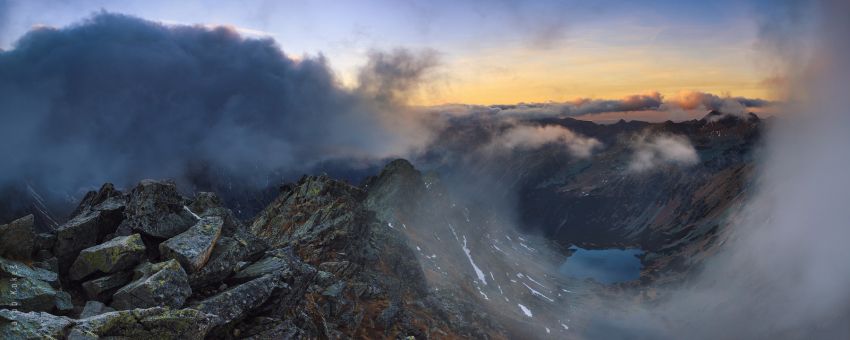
(93, 308)
(32, 325)
(150, 323)
(160, 284)
(17, 239)
(101, 288)
(155, 208)
(10, 268)
(117, 254)
(30, 289)
(86, 229)
(192, 248)
(236, 302)
(26, 294)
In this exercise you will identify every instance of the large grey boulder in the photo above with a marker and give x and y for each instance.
(117, 254)
(87, 229)
(236, 302)
(150, 323)
(17, 239)
(192, 248)
(32, 325)
(160, 284)
(101, 288)
(155, 208)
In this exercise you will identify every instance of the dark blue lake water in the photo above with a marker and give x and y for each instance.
(603, 265)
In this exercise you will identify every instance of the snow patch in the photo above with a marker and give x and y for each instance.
(534, 292)
(527, 247)
(193, 214)
(478, 271)
(535, 281)
(525, 310)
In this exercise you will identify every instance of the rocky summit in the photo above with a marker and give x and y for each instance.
(317, 262)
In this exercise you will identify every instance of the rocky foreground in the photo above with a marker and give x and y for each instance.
(151, 263)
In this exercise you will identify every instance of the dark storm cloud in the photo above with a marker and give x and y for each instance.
(119, 98)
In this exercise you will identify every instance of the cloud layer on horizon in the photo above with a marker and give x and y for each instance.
(651, 101)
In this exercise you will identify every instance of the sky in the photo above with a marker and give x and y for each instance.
(489, 52)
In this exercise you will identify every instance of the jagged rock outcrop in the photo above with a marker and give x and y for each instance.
(397, 189)
(318, 217)
(192, 248)
(17, 239)
(158, 284)
(156, 209)
(326, 224)
(120, 253)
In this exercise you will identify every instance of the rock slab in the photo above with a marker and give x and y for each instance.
(160, 284)
(193, 247)
(117, 254)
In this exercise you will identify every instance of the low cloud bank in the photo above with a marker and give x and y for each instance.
(652, 101)
(653, 152)
(531, 137)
